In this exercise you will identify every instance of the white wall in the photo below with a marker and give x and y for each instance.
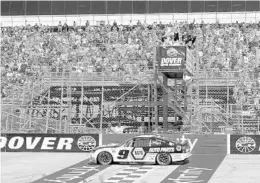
(228, 17)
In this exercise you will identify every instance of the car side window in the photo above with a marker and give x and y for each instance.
(141, 143)
(128, 143)
(159, 142)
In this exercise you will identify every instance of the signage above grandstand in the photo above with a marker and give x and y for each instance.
(171, 57)
(175, 60)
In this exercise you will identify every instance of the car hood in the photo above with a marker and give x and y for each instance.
(107, 146)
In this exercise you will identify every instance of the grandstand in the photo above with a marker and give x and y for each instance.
(89, 76)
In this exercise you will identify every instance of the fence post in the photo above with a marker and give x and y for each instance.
(48, 110)
(31, 103)
(102, 98)
(82, 98)
(149, 108)
(242, 119)
(258, 124)
(258, 119)
(155, 89)
(12, 117)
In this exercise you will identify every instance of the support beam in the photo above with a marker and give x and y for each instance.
(149, 108)
(61, 101)
(69, 90)
(81, 101)
(175, 97)
(101, 104)
(156, 116)
(165, 104)
(48, 111)
(185, 89)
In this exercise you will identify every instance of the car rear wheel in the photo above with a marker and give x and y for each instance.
(104, 158)
(163, 159)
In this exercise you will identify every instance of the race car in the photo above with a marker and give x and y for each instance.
(149, 149)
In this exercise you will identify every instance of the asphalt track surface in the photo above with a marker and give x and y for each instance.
(74, 168)
(200, 168)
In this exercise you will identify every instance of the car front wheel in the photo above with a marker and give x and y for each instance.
(163, 159)
(104, 158)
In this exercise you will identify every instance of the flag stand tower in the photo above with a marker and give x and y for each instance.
(177, 63)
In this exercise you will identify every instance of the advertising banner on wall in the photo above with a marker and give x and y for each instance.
(244, 144)
(48, 142)
(171, 57)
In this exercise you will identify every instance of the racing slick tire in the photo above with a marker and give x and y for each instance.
(163, 159)
(104, 158)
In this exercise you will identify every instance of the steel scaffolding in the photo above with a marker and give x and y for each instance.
(70, 102)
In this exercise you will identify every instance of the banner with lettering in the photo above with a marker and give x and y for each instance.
(171, 57)
(48, 142)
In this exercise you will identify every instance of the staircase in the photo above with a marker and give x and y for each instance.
(176, 102)
(212, 116)
(26, 94)
(218, 119)
(246, 121)
(15, 105)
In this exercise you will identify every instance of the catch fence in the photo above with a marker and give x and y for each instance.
(71, 102)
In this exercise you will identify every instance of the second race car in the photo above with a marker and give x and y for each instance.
(143, 149)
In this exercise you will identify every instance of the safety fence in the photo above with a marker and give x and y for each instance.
(61, 102)
(67, 102)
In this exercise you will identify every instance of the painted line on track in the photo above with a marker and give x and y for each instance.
(130, 174)
(158, 174)
(101, 176)
(73, 174)
(199, 169)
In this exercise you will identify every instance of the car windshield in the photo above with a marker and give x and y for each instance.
(127, 143)
(136, 142)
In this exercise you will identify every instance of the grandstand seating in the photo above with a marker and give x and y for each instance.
(227, 66)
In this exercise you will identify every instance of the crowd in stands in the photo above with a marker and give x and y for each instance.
(28, 52)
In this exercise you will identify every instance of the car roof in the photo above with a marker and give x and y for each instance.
(148, 136)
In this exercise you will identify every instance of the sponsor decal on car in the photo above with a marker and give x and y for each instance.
(178, 148)
(249, 144)
(162, 149)
(138, 153)
(151, 157)
(48, 142)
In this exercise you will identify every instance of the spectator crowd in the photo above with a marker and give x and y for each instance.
(28, 52)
